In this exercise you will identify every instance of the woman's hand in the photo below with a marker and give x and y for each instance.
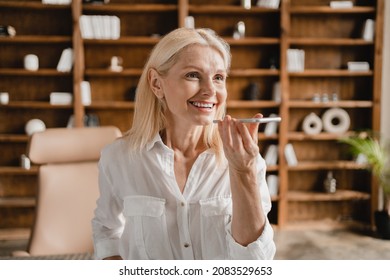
(239, 142)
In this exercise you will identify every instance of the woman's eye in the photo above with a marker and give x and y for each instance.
(192, 75)
(219, 77)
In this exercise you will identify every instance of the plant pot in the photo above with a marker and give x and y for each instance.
(382, 223)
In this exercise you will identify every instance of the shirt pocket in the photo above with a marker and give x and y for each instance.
(146, 228)
(215, 214)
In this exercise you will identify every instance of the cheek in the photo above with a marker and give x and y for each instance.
(222, 96)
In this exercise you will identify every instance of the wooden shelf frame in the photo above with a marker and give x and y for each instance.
(113, 105)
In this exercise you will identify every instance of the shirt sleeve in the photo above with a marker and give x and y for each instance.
(264, 247)
(108, 221)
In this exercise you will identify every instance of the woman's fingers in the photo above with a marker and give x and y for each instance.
(238, 137)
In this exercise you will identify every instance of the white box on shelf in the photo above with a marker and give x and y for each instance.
(341, 4)
(61, 98)
(358, 66)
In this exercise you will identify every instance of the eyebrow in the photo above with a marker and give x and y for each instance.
(201, 69)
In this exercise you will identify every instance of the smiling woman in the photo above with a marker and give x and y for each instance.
(177, 186)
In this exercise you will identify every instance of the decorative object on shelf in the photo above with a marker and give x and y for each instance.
(273, 62)
(271, 156)
(7, 31)
(25, 162)
(330, 183)
(276, 92)
(325, 98)
(239, 30)
(271, 128)
(116, 64)
(65, 63)
(376, 150)
(246, 4)
(189, 22)
(289, 153)
(31, 62)
(335, 97)
(33, 126)
(295, 60)
(312, 124)
(316, 98)
(252, 92)
(273, 4)
(85, 90)
(357, 66)
(4, 98)
(273, 184)
(100, 27)
(341, 4)
(91, 120)
(368, 32)
(336, 120)
(61, 98)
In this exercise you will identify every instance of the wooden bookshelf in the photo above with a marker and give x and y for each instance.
(330, 38)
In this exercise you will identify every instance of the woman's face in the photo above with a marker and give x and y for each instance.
(195, 87)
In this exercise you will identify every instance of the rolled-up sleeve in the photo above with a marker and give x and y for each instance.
(264, 247)
(261, 249)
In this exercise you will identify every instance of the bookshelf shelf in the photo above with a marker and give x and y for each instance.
(343, 195)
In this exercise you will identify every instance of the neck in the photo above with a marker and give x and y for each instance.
(187, 141)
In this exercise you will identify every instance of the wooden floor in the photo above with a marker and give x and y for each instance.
(300, 244)
(330, 244)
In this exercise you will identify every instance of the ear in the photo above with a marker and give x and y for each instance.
(155, 83)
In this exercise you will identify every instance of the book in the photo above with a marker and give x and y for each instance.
(86, 27)
(85, 90)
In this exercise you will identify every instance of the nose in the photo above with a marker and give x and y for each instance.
(208, 87)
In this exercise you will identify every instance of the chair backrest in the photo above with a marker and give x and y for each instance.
(68, 187)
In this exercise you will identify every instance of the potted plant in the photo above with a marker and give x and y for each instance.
(374, 150)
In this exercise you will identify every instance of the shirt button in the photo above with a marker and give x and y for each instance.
(186, 245)
(182, 204)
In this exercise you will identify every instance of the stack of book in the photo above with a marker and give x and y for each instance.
(100, 27)
(274, 4)
(57, 2)
(295, 60)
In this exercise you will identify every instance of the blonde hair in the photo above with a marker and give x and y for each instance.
(149, 114)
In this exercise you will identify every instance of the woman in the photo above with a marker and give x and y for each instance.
(178, 186)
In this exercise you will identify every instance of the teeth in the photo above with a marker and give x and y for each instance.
(203, 105)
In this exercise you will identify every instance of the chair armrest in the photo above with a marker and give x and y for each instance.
(20, 254)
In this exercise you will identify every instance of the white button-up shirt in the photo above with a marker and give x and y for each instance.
(142, 214)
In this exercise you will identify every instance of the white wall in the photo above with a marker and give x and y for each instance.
(385, 108)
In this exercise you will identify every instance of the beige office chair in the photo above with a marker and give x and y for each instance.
(68, 188)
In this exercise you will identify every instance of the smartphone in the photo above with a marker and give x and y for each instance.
(257, 120)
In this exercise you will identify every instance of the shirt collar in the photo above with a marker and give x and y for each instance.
(157, 139)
